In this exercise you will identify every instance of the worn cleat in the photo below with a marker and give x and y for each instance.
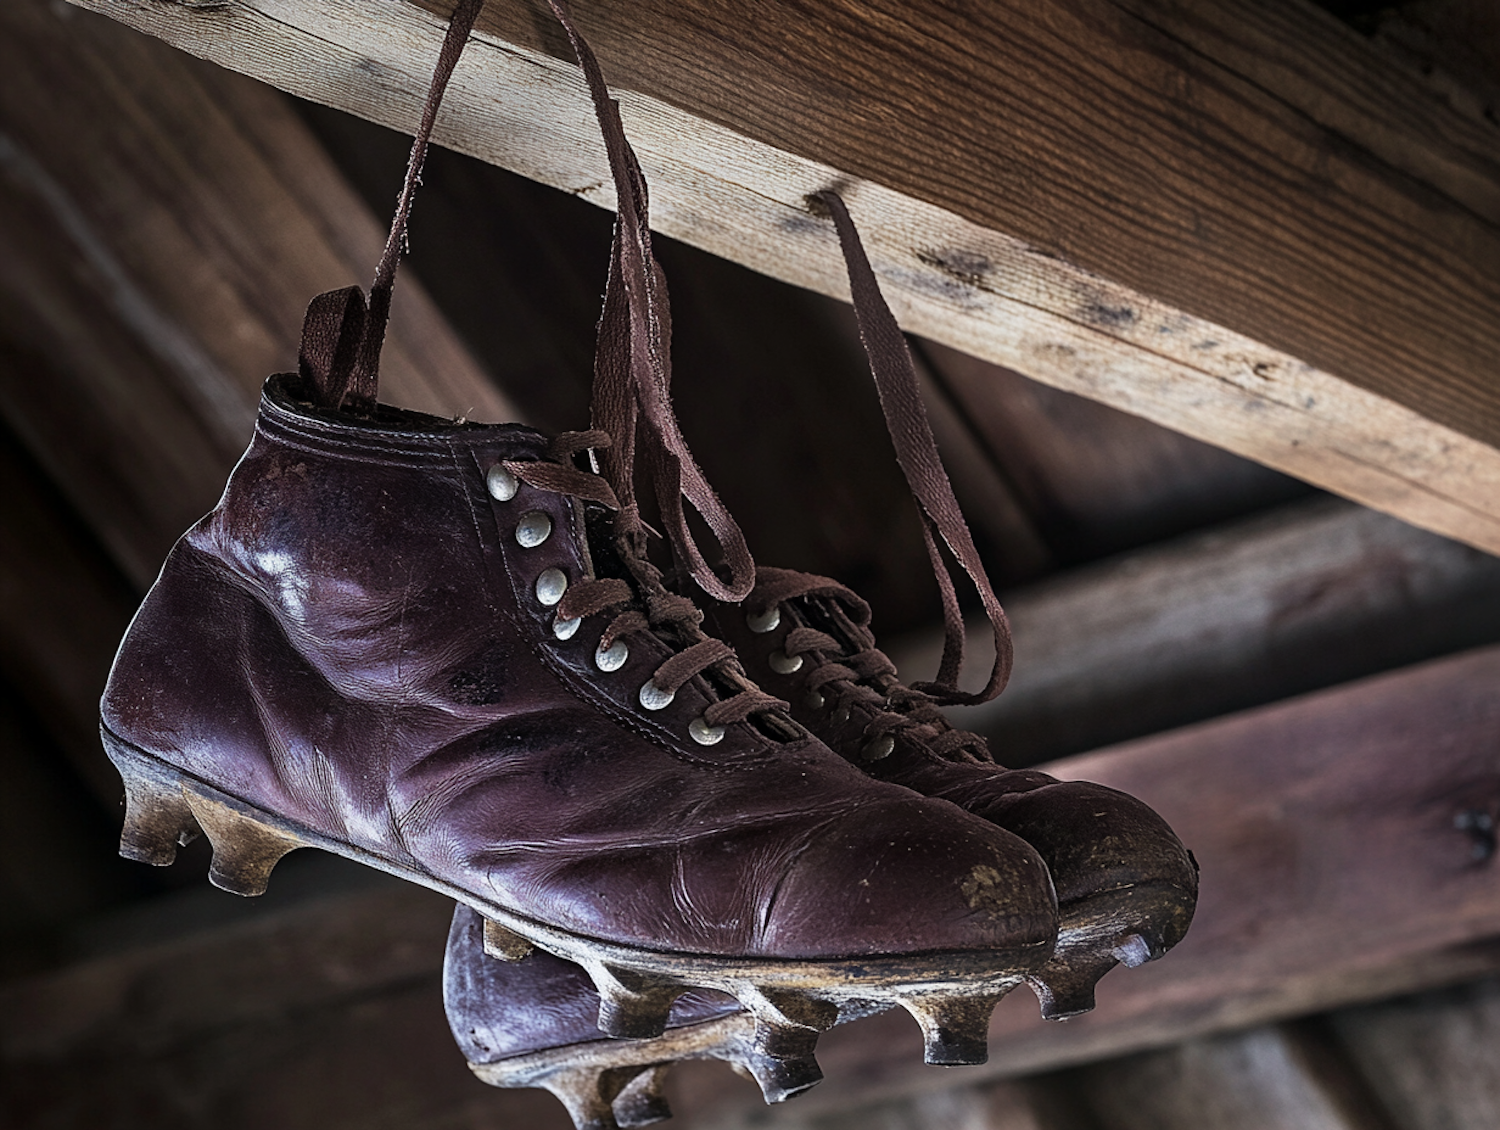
(588, 1094)
(782, 1078)
(955, 1030)
(246, 845)
(1065, 985)
(632, 1005)
(505, 944)
(157, 817)
(531, 1023)
(641, 1101)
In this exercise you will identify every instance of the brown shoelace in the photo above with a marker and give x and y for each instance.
(853, 670)
(632, 413)
(916, 451)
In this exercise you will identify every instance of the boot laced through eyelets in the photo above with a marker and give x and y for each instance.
(879, 749)
(703, 732)
(613, 657)
(534, 528)
(762, 622)
(501, 484)
(784, 664)
(654, 698)
(565, 629)
(550, 585)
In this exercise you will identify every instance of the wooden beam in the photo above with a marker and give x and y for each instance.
(1289, 601)
(1333, 872)
(163, 225)
(1240, 221)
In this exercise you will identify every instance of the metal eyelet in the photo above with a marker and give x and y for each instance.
(501, 483)
(533, 529)
(703, 733)
(654, 698)
(784, 664)
(550, 586)
(613, 657)
(879, 749)
(813, 701)
(565, 629)
(762, 622)
(841, 715)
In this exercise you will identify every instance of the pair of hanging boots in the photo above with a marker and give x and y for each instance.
(440, 649)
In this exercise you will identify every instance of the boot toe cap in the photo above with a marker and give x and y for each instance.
(914, 876)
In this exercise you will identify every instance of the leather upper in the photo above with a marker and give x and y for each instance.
(353, 640)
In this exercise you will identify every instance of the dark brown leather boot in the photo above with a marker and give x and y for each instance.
(1126, 887)
(399, 639)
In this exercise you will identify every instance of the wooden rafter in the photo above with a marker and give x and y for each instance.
(1240, 221)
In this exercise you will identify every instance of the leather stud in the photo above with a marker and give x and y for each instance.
(613, 657)
(784, 664)
(550, 586)
(763, 622)
(501, 483)
(534, 528)
(703, 733)
(654, 698)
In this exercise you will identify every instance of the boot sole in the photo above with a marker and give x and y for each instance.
(610, 1084)
(1128, 926)
(950, 994)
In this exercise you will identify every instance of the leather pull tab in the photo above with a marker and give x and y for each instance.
(332, 332)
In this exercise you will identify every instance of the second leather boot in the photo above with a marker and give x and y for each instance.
(1126, 886)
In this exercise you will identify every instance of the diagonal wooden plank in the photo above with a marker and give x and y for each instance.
(1237, 220)
(163, 225)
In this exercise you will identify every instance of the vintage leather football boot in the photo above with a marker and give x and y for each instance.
(530, 1023)
(438, 648)
(1126, 886)
(403, 640)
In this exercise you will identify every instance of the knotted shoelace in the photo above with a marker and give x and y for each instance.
(632, 412)
(853, 670)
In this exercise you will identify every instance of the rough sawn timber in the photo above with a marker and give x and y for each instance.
(1240, 221)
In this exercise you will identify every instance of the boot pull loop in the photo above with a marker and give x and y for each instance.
(632, 374)
(341, 336)
(916, 451)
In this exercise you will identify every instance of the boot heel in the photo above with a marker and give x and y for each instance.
(245, 850)
(157, 817)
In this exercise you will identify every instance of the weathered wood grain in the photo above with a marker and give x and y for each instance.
(1430, 1058)
(163, 225)
(1096, 480)
(1168, 207)
(1286, 602)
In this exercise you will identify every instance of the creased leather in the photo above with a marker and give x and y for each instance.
(351, 640)
(1092, 838)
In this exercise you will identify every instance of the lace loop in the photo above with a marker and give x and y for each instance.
(632, 368)
(852, 670)
(916, 452)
